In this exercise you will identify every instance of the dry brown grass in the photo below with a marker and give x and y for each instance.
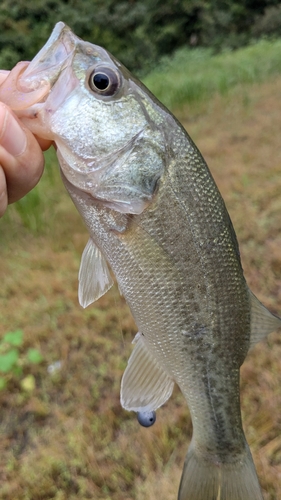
(69, 438)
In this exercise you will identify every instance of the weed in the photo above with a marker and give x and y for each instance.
(195, 75)
(13, 363)
(38, 209)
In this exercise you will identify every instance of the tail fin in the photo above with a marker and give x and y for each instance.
(202, 480)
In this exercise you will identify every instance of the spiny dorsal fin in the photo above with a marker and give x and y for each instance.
(263, 321)
(94, 276)
(145, 385)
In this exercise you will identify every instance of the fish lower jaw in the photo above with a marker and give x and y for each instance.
(32, 118)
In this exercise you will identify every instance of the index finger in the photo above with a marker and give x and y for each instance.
(44, 143)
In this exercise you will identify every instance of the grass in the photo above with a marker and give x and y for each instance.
(37, 211)
(67, 437)
(196, 75)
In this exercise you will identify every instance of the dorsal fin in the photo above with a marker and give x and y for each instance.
(145, 385)
(94, 276)
(263, 321)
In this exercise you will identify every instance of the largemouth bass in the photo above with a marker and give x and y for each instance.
(155, 215)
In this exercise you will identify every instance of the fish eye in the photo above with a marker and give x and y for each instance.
(104, 81)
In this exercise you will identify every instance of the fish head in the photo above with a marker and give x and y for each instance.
(108, 129)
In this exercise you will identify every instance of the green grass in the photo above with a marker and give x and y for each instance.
(38, 210)
(195, 75)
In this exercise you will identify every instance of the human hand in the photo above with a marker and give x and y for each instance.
(21, 157)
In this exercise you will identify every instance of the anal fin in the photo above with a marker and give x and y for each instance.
(263, 321)
(145, 385)
(94, 276)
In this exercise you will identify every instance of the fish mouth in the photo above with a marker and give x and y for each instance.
(30, 83)
(55, 55)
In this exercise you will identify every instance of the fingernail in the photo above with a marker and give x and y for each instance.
(12, 137)
(3, 193)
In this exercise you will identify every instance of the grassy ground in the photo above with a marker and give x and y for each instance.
(64, 435)
(195, 75)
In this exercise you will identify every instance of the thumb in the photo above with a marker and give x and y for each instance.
(21, 159)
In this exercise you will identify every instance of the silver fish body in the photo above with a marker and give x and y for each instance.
(155, 215)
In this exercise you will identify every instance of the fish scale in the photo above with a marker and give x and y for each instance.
(155, 215)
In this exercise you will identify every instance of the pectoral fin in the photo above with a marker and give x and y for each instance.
(263, 321)
(94, 276)
(145, 385)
